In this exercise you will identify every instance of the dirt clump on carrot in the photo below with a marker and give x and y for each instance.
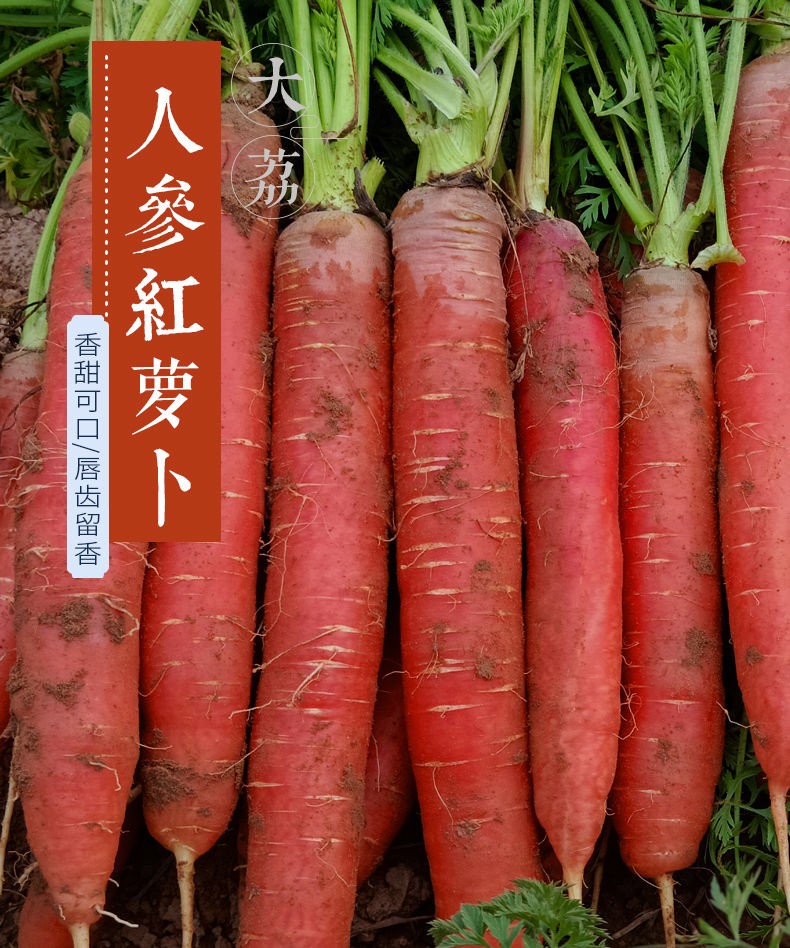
(67, 692)
(73, 618)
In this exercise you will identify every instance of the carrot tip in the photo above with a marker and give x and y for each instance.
(80, 935)
(185, 864)
(667, 896)
(573, 880)
(779, 812)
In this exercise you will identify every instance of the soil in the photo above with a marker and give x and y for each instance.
(19, 236)
(393, 907)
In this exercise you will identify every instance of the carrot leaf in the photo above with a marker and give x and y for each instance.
(535, 915)
(455, 110)
(741, 839)
(733, 903)
(660, 82)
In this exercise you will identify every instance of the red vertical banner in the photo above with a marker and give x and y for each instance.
(156, 280)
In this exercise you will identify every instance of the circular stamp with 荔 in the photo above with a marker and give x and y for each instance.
(264, 178)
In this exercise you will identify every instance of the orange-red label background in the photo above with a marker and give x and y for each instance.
(129, 79)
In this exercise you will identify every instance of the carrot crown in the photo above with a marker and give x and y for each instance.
(453, 112)
(543, 31)
(655, 86)
(327, 46)
(774, 28)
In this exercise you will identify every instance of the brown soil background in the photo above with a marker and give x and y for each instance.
(393, 907)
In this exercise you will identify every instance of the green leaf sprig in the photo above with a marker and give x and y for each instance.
(533, 915)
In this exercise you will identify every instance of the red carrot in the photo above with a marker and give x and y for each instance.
(458, 516)
(752, 319)
(326, 581)
(20, 384)
(198, 621)
(567, 416)
(673, 729)
(20, 388)
(389, 783)
(673, 719)
(567, 409)
(459, 545)
(325, 596)
(74, 685)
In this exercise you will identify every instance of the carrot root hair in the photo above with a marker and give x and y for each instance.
(779, 812)
(666, 894)
(597, 880)
(5, 826)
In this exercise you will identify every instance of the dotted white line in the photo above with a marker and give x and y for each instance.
(106, 186)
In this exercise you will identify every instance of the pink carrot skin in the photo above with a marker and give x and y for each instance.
(752, 319)
(39, 923)
(567, 411)
(74, 685)
(389, 782)
(198, 623)
(20, 386)
(326, 585)
(458, 545)
(673, 727)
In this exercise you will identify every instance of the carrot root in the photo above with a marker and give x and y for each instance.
(779, 812)
(80, 935)
(599, 865)
(185, 863)
(666, 894)
(5, 826)
(573, 880)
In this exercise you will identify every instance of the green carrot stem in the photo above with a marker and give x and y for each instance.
(624, 150)
(34, 21)
(498, 113)
(34, 330)
(670, 200)
(43, 47)
(635, 207)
